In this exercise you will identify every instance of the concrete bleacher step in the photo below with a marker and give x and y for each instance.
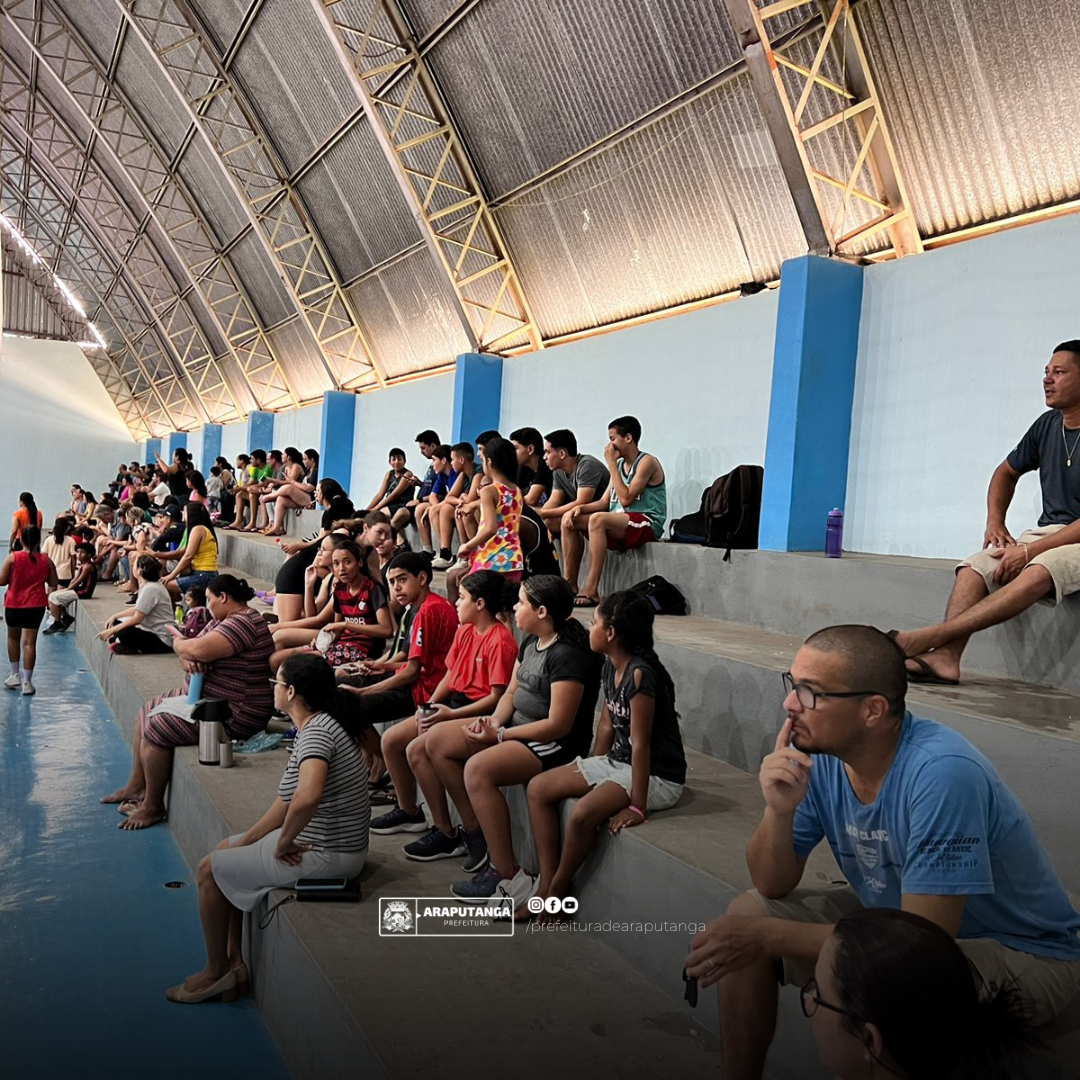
(800, 592)
(340, 998)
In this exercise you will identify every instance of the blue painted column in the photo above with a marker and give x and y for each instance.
(151, 448)
(211, 446)
(813, 386)
(336, 437)
(477, 395)
(177, 441)
(260, 431)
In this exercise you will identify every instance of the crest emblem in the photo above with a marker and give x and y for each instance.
(868, 856)
(397, 917)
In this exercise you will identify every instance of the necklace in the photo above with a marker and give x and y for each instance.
(541, 645)
(1068, 453)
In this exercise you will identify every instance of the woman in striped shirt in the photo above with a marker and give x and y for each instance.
(316, 827)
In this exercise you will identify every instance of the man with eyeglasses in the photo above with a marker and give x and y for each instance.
(916, 818)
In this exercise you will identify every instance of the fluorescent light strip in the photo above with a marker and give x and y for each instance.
(69, 296)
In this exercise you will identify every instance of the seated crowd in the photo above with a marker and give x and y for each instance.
(949, 907)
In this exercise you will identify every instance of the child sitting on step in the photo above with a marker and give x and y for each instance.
(638, 765)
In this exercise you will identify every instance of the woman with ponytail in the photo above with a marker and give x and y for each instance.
(27, 574)
(544, 720)
(317, 827)
(893, 995)
(638, 765)
(27, 514)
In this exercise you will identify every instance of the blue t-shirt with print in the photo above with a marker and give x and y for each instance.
(943, 824)
(427, 484)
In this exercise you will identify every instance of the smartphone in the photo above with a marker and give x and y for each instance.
(322, 883)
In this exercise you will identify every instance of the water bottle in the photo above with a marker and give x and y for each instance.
(195, 688)
(179, 614)
(834, 534)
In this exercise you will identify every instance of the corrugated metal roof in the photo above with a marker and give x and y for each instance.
(138, 76)
(203, 175)
(691, 206)
(97, 22)
(361, 213)
(983, 103)
(407, 309)
(293, 80)
(26, 308)
(532, 86)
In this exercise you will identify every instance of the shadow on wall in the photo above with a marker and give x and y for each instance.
(693, 470)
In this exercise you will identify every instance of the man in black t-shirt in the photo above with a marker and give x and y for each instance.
(1043, 564)
(534, 477)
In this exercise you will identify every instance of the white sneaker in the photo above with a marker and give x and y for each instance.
(520, 888)
(13, 682)
(28, 688)
(461, 564)
(441, 564)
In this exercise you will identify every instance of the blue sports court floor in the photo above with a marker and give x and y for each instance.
(89, 936)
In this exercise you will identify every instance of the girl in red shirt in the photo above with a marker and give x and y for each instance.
(26, 573)
(479, 668)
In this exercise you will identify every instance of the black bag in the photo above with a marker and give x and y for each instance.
(729, 514)
(664, 597)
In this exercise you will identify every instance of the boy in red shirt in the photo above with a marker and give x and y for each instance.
(432, 634)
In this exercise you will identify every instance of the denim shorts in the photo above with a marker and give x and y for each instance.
(663, 794)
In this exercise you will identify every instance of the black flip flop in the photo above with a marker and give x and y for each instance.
(589, 602)
(926, 674)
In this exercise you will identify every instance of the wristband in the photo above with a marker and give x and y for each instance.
(1027, 554)
(637, 811)
(501, 733)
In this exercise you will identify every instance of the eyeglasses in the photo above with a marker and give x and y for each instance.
(808, 696)
(811, 1002)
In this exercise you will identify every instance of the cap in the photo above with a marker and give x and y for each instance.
(172, 511)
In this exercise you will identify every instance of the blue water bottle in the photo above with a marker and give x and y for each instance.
(195, 687)
(834, 534)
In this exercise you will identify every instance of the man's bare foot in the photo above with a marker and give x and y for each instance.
(143, 818)
(122, 795)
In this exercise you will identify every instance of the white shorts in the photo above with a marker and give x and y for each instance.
(246, 874)
(63, 598)
(663, 794)
(1061, 563)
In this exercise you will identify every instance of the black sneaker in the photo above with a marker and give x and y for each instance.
(57, 628)
(480, 889)
(435, 844)
(476, 847)
(398, 821)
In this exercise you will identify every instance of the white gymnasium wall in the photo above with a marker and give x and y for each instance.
(58, 425)
(699, 383)
(298, 427)
(392, 417)
(234, 440)
(952, 348)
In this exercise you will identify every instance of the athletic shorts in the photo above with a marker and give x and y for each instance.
(24, 618)
(639, 532)
(1062, 564)
(1044, 984)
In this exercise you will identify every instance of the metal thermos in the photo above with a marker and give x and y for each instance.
(211, 737)
(215, 741)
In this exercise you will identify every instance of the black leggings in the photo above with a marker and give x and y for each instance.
(139, 640)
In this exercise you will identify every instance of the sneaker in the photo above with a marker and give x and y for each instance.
(398, 821)
(461, 564)
(28, 688)
(476, 846)
(435, 844)
(441, 563)
(520, 888)
(133, 598)
(57, 627)
(479, 889)
(13, 682)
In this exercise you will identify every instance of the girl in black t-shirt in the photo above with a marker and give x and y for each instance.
(638, 764)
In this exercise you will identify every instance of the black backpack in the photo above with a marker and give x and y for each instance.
(729, 514)
(664, 597)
